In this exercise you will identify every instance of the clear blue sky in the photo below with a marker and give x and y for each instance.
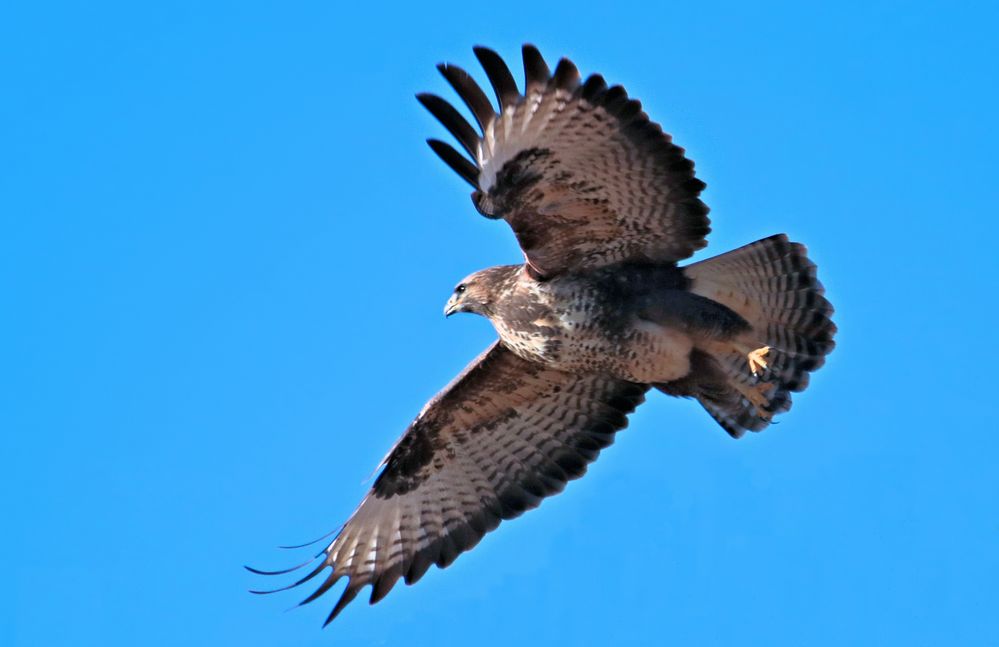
(223, 257)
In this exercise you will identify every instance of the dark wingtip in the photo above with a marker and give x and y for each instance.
(303, 580)
(269, 591)
(348, 596)
(469, 91)
(284, 571)
(536, 72)
(451, 119)
(566, 76)
(482, 50)
(499, 76)
(314, 541)
(458, 162)
(322, 588)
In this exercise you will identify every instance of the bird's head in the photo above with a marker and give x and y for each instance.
(473, 294)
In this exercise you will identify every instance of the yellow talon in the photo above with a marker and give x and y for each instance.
(756, 360)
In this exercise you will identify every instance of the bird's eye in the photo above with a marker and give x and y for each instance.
(460, 288)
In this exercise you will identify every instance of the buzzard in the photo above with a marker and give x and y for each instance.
(603, 205)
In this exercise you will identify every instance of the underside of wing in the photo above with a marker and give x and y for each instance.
(576, 168)
(504, 435)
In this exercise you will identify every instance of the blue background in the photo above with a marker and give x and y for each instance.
(224, 253)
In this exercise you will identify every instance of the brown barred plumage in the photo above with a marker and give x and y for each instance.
(603, 205)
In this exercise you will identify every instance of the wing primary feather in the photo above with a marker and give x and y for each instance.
(566, 75)
(448, 552)
(631, 109)
(314, 541)
(458, 163)
(536, 72)
(499, 75)
(323, 588)
(594, 87)
(381, 586)
(470, 92)
(283, 571)
(423, 559)
(452, 120)
(614, 98)
(305, 579)
(348, 595)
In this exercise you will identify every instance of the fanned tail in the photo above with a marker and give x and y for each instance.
(772, 285)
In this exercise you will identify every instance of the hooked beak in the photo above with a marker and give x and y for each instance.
(451, 306)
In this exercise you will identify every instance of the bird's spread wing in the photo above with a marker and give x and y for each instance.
(503, 435)
(576, 168)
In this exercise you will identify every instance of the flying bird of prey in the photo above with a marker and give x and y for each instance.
(603, 205)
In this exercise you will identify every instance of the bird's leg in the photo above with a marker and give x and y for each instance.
(756, 394)
(755, 358)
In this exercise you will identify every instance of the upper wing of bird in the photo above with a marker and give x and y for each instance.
(576, 168)
(503, 435)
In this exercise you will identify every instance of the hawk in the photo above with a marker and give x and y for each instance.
(603, 205)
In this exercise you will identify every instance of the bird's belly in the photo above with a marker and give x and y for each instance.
(641, 352)
(655, 353)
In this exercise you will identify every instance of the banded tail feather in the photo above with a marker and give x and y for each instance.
(771, 284)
